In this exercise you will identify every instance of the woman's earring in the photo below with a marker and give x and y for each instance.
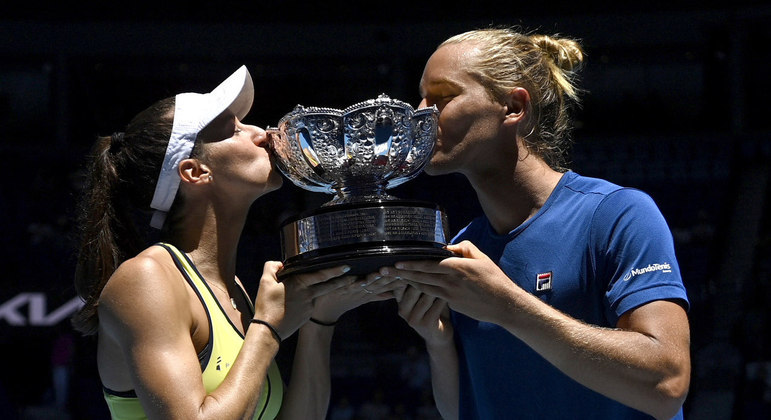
(211, 178)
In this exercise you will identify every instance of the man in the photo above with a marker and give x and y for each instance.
(566, 297)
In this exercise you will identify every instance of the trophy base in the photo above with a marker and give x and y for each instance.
(362, 260)
(364, 236)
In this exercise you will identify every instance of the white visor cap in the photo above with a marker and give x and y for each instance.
(192, 113)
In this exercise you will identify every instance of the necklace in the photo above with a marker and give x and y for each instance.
(232, 300)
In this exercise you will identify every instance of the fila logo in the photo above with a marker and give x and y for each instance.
(543, 282)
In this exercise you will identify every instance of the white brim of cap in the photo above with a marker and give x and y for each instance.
(192, 113)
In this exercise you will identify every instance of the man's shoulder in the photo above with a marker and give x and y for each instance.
(598, 193)
(589, 185)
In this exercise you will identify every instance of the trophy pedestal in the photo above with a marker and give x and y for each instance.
(363, 235)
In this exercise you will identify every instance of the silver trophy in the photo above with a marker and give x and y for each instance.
(357, 154)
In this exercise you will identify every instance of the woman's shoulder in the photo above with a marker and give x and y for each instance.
(146, 284)
(150, 267)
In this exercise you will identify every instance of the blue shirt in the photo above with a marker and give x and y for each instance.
(594, 251)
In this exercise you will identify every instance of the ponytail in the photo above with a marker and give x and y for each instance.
(122, 173)
(564, 57)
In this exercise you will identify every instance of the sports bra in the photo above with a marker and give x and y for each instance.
(225, 342)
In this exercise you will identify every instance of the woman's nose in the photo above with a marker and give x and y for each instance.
(259, 137)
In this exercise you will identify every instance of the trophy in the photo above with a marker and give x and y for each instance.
(357, 154)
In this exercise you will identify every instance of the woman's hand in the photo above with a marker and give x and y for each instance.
(288, 304)
(330, 307)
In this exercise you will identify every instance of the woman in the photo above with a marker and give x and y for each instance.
(567, 301)
(178, 337)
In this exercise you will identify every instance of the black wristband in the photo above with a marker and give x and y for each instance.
(270, 327)
(326, 324)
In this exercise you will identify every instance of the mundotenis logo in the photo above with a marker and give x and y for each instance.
(664, 268)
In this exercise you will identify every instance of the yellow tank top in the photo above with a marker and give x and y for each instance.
(225, 342)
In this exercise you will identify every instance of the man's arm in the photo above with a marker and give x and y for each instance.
(643, 363)
(430, 318)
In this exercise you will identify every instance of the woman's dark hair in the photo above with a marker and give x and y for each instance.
(121, 180)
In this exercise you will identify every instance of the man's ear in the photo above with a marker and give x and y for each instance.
(193, 171)
(517, 104)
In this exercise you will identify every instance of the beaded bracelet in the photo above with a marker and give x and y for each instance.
(270, 327)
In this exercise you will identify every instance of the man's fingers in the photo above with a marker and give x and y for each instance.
(407, 302)
(437, 308)
(406, 273)
(466, 249)
(398, 290)
(423, 266)
(429, 289)
(381, 297)
(422, 306)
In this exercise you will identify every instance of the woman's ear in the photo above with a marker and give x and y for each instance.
(193, 171)
(517, 104)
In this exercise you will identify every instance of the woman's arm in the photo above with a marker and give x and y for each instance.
(309, 389)
(307, 396)
(430, 318)
(146, 309)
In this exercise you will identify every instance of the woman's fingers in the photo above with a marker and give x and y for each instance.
(320, 276)
(377, 284)
(271, 269)
(322, 288)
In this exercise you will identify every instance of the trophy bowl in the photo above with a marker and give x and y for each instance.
(357, 154)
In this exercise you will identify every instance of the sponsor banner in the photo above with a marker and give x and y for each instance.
(31, 309)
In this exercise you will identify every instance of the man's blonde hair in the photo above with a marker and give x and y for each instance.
(546, 67)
